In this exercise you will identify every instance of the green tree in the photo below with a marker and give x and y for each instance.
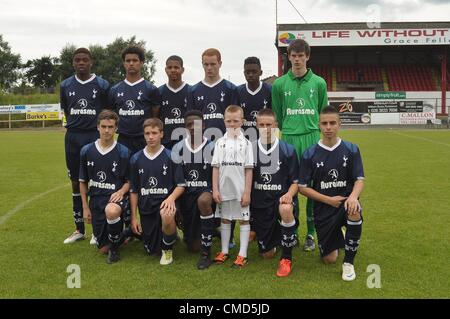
(111, 66)
(107, 61)
(9, 66)
(65, 68)
(42, 72)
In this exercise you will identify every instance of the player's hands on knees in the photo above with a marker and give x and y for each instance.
(286, 199)
(168, 207)
(87, 216)
(336, 201)
(217, 198)
(352, 206)
(245, 200)
(168, 204)
(136, 226)
(168, 211)
(116, 197)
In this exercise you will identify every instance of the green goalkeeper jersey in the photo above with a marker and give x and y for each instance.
(297, 102)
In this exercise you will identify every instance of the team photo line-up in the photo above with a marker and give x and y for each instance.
(202, 157)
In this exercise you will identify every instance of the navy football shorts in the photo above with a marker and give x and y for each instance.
(97, 204)
(73, 142)
(265, 222)
(329, 231)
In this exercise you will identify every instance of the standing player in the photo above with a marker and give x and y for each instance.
(156, 182)
(274, 195)
(194, 153)
(253, 95)
(335, 169)
(133, 99)
(213, 94)
(297, 99)
(104, 178)
(175, 100)
(232, 182)
(83, 96)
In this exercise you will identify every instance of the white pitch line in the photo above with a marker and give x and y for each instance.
(11, 212)
(422, 138)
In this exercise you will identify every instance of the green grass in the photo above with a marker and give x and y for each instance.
(405, 232)
(13, 99)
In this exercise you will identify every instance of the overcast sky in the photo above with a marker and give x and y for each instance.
(187, 27)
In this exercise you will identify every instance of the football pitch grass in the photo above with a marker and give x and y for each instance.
(405, 232)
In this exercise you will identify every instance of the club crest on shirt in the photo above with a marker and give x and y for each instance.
(345, 158)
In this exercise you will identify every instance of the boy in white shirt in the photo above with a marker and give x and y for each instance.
(231, 181)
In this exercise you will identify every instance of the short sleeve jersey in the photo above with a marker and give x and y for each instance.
(332, 172)
(174, 104)
(212, 100)
(105, 171)
(153, 178)
(297, 102)
(133, 103)
(276, 169)
(253, 101)
(82, 101)
(232, 155)
(196, 165)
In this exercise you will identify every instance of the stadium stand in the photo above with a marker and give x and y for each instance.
(410, 77)
(325, 72)
(400, 77)
(404, 56)
(359, 74)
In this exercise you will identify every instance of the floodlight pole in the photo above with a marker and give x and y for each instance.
(279, 53)
(444, 81)
(276, 14)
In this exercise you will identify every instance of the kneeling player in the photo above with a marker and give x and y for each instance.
(103, 176)
(195, 155)
(156, 182)
(274, 203)
(335, 168)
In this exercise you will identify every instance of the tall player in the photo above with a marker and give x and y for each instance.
(253, 95)
(175, 100)
(83, 96)
(194, 153)
(104, 178)
(133, 99)
(336, 171)
(156, 182)
(297, 99)
(212, 96)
